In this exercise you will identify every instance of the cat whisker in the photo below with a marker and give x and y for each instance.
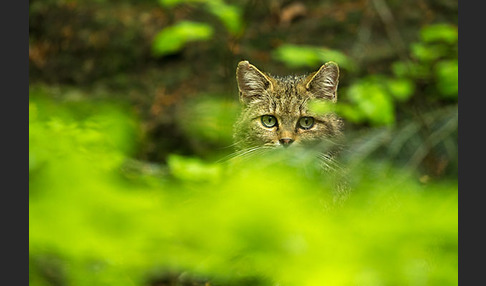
(232, 155)
(329, 162)
(236, 143)
(245, 153)
(326, 165)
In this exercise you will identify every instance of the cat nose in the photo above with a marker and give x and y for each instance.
(286, 142)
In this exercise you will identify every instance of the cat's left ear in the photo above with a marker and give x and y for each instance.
(324, 82)
(252, 83)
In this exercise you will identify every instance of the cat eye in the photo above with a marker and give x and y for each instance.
(306, 122)
(269, 121)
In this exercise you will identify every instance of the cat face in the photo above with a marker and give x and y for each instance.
(276, 111)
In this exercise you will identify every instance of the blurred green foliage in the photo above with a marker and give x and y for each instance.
(373, 98)
(173, 38)
(193, 169)
(435, 61)
(311, 57)
(211, 119)
(131, 109)
(446, 33)
(229, 15)
(272, 219)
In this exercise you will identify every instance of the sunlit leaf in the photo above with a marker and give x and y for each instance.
(373, 101)
(412, 70)
(174, 38)
(428, 52)
(310, 56)
(172, 3)
(447, 73)
(230, 15)
(351, 113)
(439, 32)
(402, 89)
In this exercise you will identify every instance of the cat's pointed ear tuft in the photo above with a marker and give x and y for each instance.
(324, 82)
(252, 83)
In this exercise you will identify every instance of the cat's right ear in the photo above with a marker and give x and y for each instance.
(324, 82)
(252, 83)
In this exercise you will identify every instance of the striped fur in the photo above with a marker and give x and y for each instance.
(287, 98)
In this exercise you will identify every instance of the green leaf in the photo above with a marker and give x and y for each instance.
(439, 33)
(428, 52)
(172, 3)
(400, 69)
(373, 101)
(172, 39)
(447, 76)
(401, 89)
(310, 56)
(230, 15)
(350, 112)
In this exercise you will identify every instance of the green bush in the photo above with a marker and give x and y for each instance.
(272, 219)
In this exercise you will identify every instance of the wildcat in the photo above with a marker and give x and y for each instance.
(277, 114)
(276, 111)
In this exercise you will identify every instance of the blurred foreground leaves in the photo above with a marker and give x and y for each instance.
(265, 221)
(97, 216)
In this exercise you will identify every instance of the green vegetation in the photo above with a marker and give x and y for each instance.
(273, 220)
(172, 39)
(131, 109)
(308, 56)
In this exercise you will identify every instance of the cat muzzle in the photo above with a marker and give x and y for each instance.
(286, 142)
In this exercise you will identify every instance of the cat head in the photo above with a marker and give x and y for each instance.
(276, 109)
